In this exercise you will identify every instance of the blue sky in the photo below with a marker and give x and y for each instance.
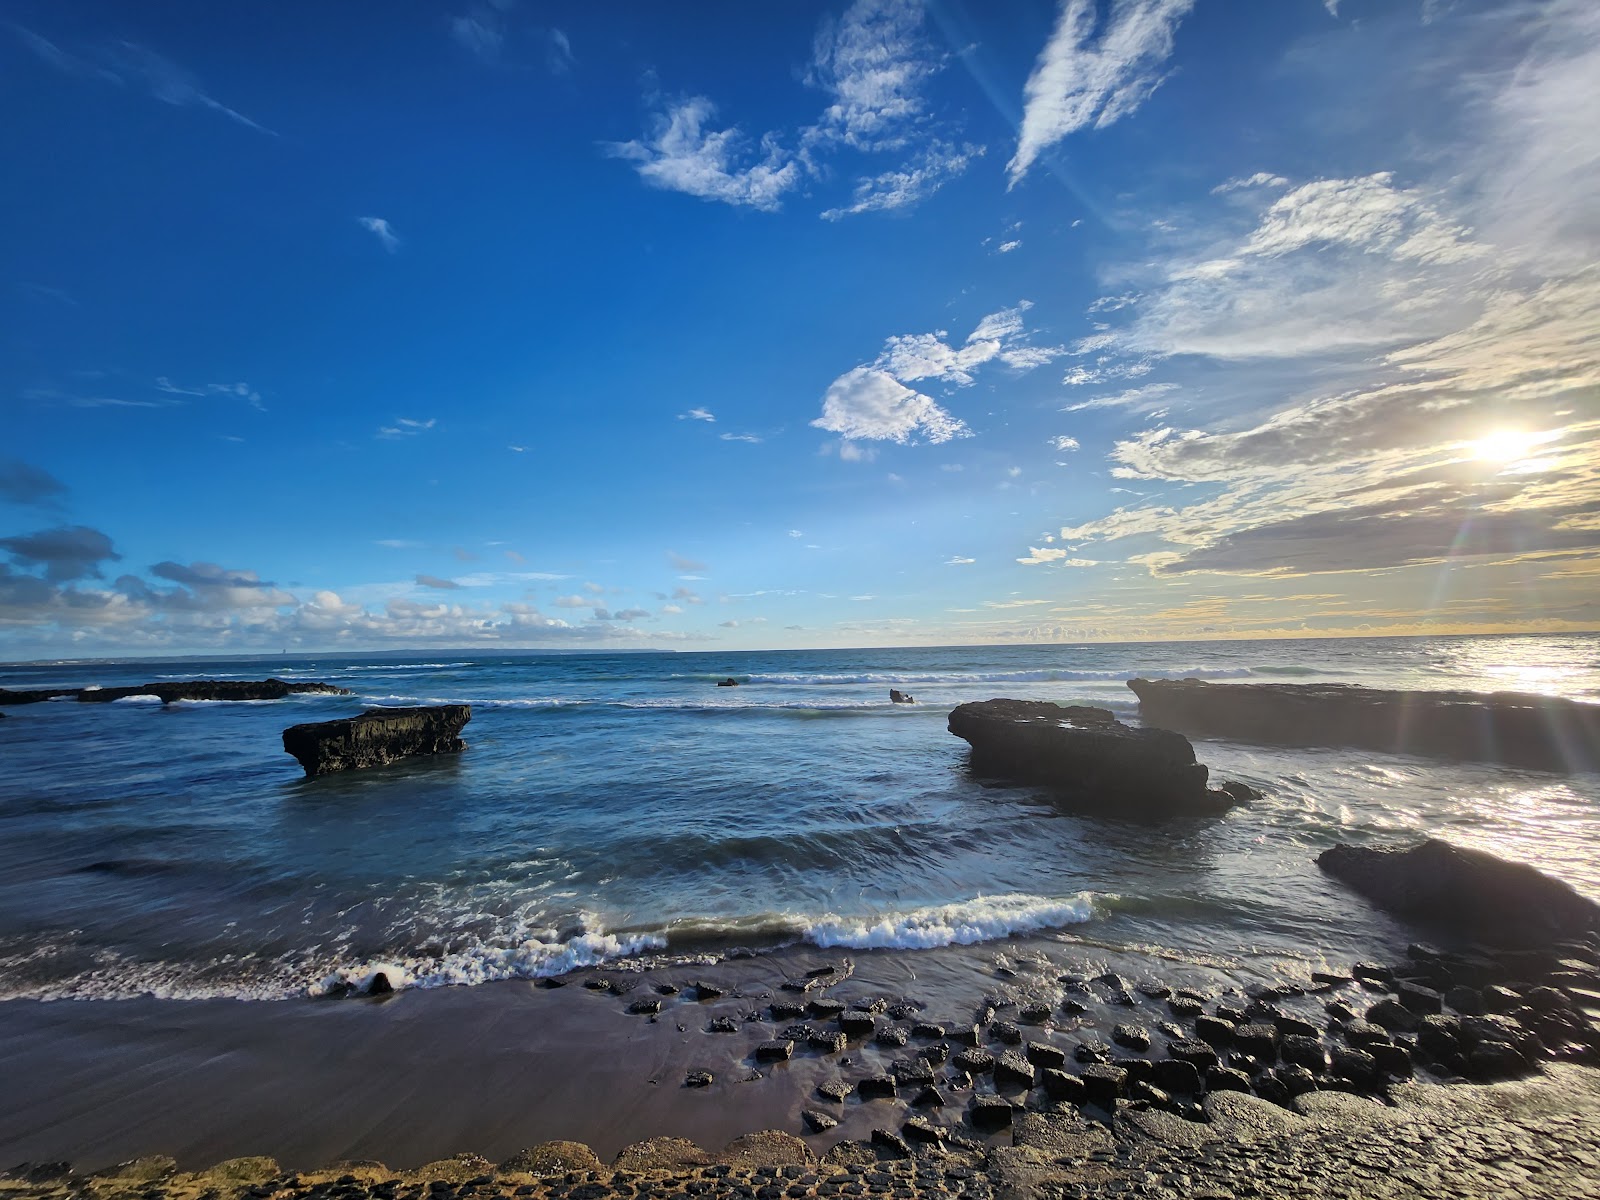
(752, 325)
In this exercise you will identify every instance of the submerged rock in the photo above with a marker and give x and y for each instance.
(1544, 732)
(1088, 754)
(376, 737)
(898, 697)
(33, 695)
(1471, 891)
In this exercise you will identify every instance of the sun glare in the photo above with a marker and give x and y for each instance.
(1508, 445)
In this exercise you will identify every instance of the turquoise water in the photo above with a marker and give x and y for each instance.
(620, 805)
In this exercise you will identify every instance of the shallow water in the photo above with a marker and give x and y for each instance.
(615, 805)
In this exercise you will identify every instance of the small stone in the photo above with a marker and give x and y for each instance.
(1393, 1016)
(1305, 1052)
(1035, 1013)
(1196, 1052)
(1061, 1086)
(1073, 1008)
(1154, 990)
(1175, 1075)
(777, 1050)
(1294, 1025)
(1012, 1068)
(1005, 1031)
(1092, 1052)
(967, 1035)
(1214, 1031)
(1043, 1054)
(928, 1097)
(907, 1072)
(787, 1010)
(1133, 1037)
(1103, 1083)
(699, 1079)
(891, 1035)
(818, 1122)
(723, 1025)
(1466, 1001)
(920, 1129)
(706, 991)
(1226, 1079)
(990, 1112)
(834, 1089)
(856, 1024)
(876, 1087)
(927, 1031)
(825, 1041)
(892, 1142)
(1419, 999)
(974, 1061)
(826, 1007)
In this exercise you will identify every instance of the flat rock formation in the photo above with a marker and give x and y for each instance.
(33, 695)
(1471, 891)
(1543, 732)
(1088, 754)
(378, 736)
(211, 689)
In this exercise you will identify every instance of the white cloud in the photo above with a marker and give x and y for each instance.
(696, 414)
(681, 155)
(956, 560)
(1261, 179)
(1139, 399)
(873, 62)
(1064, 443)
(1082, 79)
(405, 427)
(380, 229)
(872, 404)
(1049, 554)
(911, 183)
(1008, 247)
(670, 609)
(754, 439)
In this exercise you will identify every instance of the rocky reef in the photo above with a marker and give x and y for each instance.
(1543, 732)
(193, 689)
(377, 737)
(1088, 755)
(1470, 891)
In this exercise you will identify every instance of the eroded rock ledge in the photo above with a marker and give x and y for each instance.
(1543, 732)
(377, 737)
(1088, 755)
(194, 689)
(1467, 890)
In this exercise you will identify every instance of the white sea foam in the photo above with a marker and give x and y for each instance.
(981, 920)
(534, 958)
(1053, 675)
(142, 698)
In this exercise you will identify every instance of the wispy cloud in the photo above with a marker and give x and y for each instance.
(910, 184)
(130, 64)
(752, 438)
(956, 560)
(1094, 74)
(239, 391)
(381, 230)
(405, 427)
(434, 581)
(697, 414)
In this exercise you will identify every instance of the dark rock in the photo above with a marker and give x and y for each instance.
(907, 1072)
(1092, 1052)
(834, 1089)
(645, 1008)
(1494, 1061)
(706, 991)
(1363, 1034)
(33, 695)
(1497, 999)
(1373, 973)
(825, 1007)
(1035, 1014)
(974, 1061)
(1073, 1008)
(730, 681)
(1176, 1075)
(1393, 1016)
(966, 1035)
(1440, 1036)
(1134, 1037)
(892, 1036)
(856, 1024)
(876, 1087)
(1088, 754)
(1214, 1031)
(928, 1097)
(1150, 1094)
(1103, 1083)
(990, 1112)
(936, 1053)
(1006, 1032)
(1359, 1067)
(1226, 1079)
(1269, 1087)
(818, 1122)
(1330, 978)
(211, 689)
(1542, 732)
(920, 1129)
(891, 1141)
(378, 736)
(777, 1050)
(1295, 1025)
(904, 1010)
(899, 697)
(699, 1079)
(1297, 1079)
(1391, 1060)
(1339, 1010)
(1043, 1054)
(1231, 1013)
(1468, 890)
(1013, 1070)
(826, 1041)
(1419, 999)
(1059, 1085)
(723, 1025)
(1257, 1041)
(927, 1031)
(1196, 1052)
(1185, 1006)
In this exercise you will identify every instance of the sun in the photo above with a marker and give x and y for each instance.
(1508, 445)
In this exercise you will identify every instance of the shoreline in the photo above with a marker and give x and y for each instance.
(421, 1077)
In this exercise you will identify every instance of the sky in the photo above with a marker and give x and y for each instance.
(503, 323)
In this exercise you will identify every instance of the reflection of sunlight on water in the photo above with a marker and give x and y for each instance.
(1550, 826)
(1556, 666)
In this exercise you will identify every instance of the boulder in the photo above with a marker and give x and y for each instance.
(376, 737)
(1087, 754)
(1543, 732)
(730, 681)
(899, 697)
(1469, 891)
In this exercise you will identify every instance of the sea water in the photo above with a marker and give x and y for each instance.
(614, 806)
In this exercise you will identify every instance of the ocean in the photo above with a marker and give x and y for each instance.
(622, 807)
